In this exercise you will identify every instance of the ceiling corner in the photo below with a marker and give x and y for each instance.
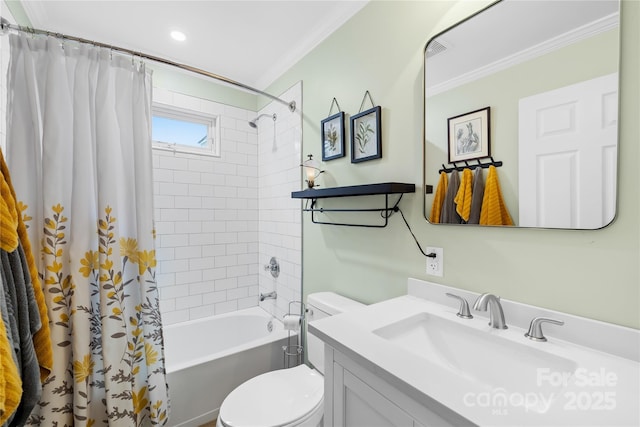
(305, 45)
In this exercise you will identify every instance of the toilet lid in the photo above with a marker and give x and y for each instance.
(276, 398)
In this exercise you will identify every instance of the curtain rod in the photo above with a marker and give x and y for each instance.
(5, 26)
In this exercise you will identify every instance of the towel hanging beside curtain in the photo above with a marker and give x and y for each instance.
(15, 216)
(25, 343)
(24, 322)
(10, 381)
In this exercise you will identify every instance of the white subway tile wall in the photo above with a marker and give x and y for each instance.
(280, 217)
(219, 219)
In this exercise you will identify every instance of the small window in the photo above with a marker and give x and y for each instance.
(182, 130)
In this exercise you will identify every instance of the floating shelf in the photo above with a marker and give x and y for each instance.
(385, 189)
(355, 190)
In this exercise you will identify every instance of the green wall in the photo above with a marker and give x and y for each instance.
(595, 274)
(192, 84)
(17, 11)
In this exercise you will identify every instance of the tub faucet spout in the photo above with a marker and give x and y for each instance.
(269, 295)
(492, 303)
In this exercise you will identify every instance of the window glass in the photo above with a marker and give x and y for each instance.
(182, 130)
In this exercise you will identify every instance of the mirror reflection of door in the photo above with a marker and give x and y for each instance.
(567, 155)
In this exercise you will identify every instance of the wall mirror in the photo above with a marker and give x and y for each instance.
(534, 85)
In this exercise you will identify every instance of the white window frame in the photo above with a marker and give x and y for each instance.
(211, 121)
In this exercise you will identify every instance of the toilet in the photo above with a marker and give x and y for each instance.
(287, 397)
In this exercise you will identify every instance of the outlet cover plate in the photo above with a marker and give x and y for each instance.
(435, 266)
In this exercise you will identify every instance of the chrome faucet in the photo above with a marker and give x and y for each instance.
(269, 295)
(496, 315)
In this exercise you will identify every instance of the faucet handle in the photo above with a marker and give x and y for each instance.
(463, 311)
(535, 328)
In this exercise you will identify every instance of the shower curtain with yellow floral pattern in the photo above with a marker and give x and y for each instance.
(79, 152)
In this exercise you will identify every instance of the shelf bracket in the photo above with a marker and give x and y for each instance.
(385, 213)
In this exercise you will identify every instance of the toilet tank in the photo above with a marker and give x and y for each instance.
(321, 305)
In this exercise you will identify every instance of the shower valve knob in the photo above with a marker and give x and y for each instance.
(273, 267)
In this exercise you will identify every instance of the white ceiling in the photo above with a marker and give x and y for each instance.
(252, 42)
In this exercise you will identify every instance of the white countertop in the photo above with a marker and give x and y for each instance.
(603, 391)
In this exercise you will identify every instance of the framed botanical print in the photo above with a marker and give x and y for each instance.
(366, 135)
(332, 129)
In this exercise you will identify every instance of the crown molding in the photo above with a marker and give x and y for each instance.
(308, 43)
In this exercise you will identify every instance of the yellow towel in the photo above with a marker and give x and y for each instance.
(10, 382)
(438, 198)
(42, 338)
(494, 211)
(8, 219)
(463, 197)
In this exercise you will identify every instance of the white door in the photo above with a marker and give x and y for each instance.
(568, 155)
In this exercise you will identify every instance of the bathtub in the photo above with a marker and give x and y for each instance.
(207, 358)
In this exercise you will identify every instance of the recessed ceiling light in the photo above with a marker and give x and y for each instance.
(178, 35)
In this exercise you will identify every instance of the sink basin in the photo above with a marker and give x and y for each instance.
(500, 364)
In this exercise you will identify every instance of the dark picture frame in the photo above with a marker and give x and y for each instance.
(366, 135)
(469, 135)
(332, 130)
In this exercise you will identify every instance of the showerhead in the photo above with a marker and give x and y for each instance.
(254, 123)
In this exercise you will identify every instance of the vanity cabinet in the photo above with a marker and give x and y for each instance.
(356, 397)
(358, 404)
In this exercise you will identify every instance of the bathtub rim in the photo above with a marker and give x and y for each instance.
(278, 333)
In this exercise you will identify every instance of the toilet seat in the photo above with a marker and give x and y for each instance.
(285, 397)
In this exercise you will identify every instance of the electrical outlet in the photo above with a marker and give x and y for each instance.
(435, 265)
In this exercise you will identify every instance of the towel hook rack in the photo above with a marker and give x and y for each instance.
(456, 167)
